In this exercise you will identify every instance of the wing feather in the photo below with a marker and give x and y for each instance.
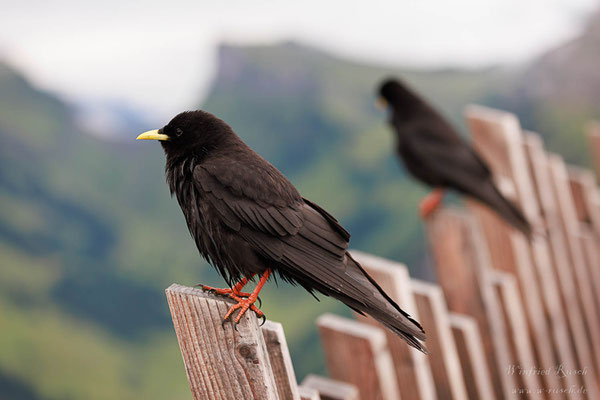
(452, 161)
(307, 244)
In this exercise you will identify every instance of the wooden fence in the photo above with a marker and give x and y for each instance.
(510, 317)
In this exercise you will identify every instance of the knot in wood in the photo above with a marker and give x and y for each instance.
(248, 351)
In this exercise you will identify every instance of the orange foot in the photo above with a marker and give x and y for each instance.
(431, 202)
(224, 292)
(236, 290)
(244, 304)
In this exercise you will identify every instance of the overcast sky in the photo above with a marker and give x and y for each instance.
(160, 55)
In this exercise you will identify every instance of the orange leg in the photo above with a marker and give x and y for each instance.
(236, 290)
(248, 303)
(431, 202)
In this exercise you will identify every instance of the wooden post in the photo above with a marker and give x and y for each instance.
(561, 266)
(497, 136)
(585, 196)
(572, 233)
(445, 364)
(506, 286)
(461, 261)
(330, 389)
(413, 371)
(357, 353)
(472, 357)
(307, 393)
(593, 134)
(592, 258)
(281, 362)
(220, 363)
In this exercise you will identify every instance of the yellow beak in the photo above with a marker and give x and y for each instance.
(381, 103)
(152, 135)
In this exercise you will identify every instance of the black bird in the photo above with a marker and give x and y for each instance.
(434, 153)
(247, 219)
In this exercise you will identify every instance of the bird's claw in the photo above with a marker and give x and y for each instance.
(204, 288)
(264, 319)
(243, 304)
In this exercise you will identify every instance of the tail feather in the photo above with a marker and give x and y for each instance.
(489, 194)
(384, 310)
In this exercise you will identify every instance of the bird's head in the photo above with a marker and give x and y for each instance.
(190, 132)
(393, 94)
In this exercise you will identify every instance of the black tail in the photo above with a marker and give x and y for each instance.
(383, 309)
(489, 194)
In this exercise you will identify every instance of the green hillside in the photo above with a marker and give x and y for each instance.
(89, 237)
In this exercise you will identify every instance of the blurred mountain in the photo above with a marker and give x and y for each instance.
(89, 237)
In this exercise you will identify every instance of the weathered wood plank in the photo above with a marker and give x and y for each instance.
(330, 389)
(307, 393)
(472, 357)
(592, 257)
(413, 371)
(527, 384)
(561, 268)
(220, 363)
(584, 193)
(357, 353)
(572, 233)
(578, 193)
(586, 198)
(445, 364)
(461, 260)
(281, 362)
(498, 137)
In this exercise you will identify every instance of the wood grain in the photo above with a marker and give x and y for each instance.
(591, 252)
(281, 362)
(472, 357)
(585, 199)
(461, 261)
(357, 353)
(564, 272)
(220, 363)
(576, 260)
(506, 286)
(445, 364)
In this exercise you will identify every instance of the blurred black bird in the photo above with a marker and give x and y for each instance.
(247, 219)
(434, 153)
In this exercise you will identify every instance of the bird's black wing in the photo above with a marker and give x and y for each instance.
(307, 244)
(256, 199)
(451, 160)
(251, 195)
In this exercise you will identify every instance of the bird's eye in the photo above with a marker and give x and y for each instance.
(179, 132)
